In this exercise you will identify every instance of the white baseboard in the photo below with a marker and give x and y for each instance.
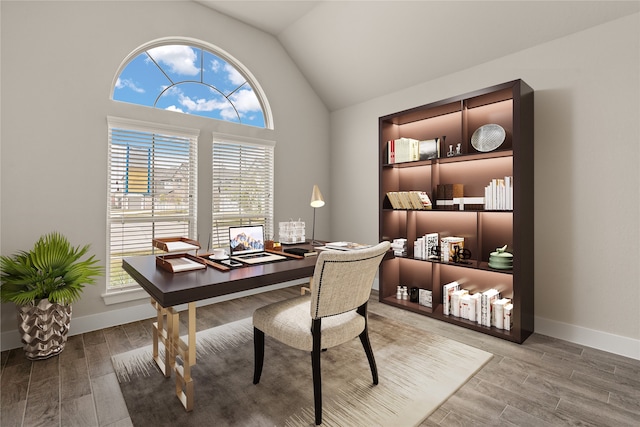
(80, 325)
(605, 341)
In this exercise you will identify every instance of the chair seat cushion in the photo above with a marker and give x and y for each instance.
(289, 322)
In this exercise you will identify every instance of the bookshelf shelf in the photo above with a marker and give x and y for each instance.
(453, 121)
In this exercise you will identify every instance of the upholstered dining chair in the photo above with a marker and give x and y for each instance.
(335, 312)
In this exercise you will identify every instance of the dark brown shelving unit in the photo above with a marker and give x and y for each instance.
(511, 106)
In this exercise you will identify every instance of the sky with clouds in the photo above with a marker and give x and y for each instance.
(189, 80)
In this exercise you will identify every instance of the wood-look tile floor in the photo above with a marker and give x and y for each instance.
(544, 381)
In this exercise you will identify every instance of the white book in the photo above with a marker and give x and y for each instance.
(465, 304)
(498, 312)
(456, 301)
(417, 248)
(431, 241)
(474, 304)
(508, 319)
(447, 290)
(425, 297)
(487, 299)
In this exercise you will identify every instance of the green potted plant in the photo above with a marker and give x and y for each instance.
(43, 283)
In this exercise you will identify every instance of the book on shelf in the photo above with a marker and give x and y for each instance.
(417, 200)
(403, 150)
(473, 306)
(487, 299)
(508, 319)
(346, 246)
(447, 290)
(456, 301)
(445, 193)
(498, 312)
(465, 303)
(429, 149)
(431, 242)
(499, 194)
(449, 247)
(425, 297)
(399, 247)
(468, 203)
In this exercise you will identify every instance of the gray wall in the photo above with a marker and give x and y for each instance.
(59, 61)
(587, 285)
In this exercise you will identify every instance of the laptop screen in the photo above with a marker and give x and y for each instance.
(246, 239)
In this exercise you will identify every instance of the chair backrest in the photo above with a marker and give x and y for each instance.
(342, 280)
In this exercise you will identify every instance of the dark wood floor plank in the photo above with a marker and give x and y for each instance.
(110, 405)
(78, 412)
(117, 340)
(137, 334)
(99, 360)
(43, 401)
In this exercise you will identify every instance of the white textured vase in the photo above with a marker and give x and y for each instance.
(44, 328)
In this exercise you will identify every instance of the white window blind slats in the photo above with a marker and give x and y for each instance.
(242, 187)
(152, 190)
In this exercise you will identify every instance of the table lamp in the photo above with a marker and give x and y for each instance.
(316, 202)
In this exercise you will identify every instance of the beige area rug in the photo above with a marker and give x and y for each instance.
(417, 370)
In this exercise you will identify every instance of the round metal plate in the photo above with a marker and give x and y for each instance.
(488, 137)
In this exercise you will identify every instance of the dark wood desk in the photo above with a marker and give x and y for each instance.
(170, 289)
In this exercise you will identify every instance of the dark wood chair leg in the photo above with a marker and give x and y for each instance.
(364, 339)
(315, 366)
(366, 344)
(258, 354)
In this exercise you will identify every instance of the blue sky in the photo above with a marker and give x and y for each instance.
(194, 82)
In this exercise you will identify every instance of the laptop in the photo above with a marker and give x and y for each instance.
(246, 244)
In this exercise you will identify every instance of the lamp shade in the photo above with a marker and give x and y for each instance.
(316, 198)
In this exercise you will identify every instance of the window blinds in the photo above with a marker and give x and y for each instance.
(242, 186)
(152, 189)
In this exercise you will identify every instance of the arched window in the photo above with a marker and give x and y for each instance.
(191, 79)
(153, 188)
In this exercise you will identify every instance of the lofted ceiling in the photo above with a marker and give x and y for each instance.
(352, 51)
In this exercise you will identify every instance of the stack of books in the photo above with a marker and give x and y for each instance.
(409, 200)
(445, 193)
(425, 247)
(410, 150)
(485, 308)
(498, 194)
(399, 247)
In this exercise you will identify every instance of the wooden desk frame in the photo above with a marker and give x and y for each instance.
(168, 290)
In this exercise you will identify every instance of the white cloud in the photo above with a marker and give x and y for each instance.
(201, 104)
(128, 83)
(245, 101)
(233, 75)
(180, 59)
(174, 108)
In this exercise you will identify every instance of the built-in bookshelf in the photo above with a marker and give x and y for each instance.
(492, 205)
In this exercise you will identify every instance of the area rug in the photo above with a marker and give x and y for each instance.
(417, 370)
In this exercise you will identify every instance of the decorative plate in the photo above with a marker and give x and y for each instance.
(488, 137)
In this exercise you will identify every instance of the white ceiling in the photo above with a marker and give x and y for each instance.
(352, 51)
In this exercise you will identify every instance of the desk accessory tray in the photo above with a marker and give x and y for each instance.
(176, 244)
(176, 263)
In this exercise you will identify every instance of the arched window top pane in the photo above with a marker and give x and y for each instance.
(191, 80)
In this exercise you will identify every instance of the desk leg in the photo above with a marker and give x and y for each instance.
(179, 356)
(187, 356)
(161, 335)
